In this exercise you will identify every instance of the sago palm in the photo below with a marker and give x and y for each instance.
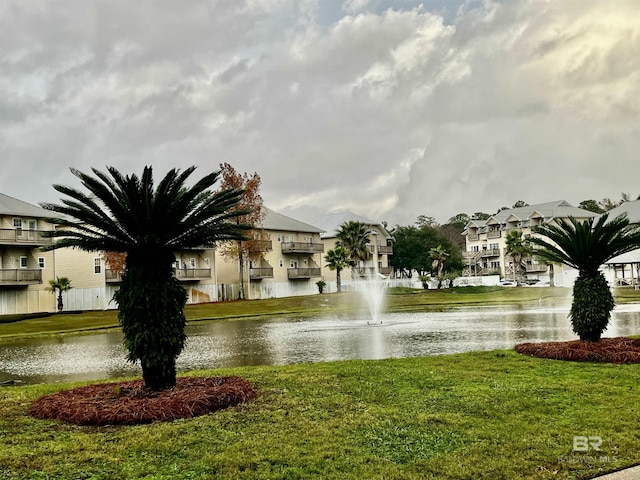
(128, 214)
(585, 246)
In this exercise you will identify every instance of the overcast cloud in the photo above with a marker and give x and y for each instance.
(390, 109)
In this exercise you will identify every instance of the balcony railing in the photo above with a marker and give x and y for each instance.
(494, 234)
(473, 237)
(302, 247)
(490, 252)
(21, 236)
(20, 276)
(182, 274)
(260, 273)
(191, 274)
(536, 267)
(366, 271)
(382, 249)
(297, 273)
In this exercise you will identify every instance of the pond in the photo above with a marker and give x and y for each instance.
(216, 344)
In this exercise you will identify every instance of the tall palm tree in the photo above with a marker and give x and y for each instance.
(127, 214)
(585, 246)
(354, 238)
(439, 255)
(517, 247)
(60, 284)
(337, 259)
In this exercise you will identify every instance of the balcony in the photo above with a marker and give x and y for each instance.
(260, 273)
(20, 277)
(368, 271)
(112, 276)
(382, 249)
(536, 267)
(494, 234)
(22, 237)
(192, 274)
(182, 274)
(473, 237)
(490, 252)
(302, 273)
(302, 247)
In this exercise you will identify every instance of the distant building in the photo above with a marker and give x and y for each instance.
(289, 265)
(485, 241)
(624, 270)
(379, 241)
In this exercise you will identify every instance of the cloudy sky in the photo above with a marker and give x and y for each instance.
(390, 109)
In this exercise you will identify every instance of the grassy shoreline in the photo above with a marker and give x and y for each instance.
(395, 301)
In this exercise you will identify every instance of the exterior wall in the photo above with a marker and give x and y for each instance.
(280, 284)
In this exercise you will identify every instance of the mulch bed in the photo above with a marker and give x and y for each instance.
(608, 350)
(130, 403)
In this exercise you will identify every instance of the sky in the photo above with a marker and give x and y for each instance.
(389, 109)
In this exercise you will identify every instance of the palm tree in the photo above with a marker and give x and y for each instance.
(585, 246)
(438, 255)
(517, 247)
(337, 259)
(60, 284)
(127, 214)
(354, 238)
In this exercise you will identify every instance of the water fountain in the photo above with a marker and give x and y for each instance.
(372, 286)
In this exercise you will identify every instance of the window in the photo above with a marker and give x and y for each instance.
(495, 265)
(293, 263)
(23, 262)
(97, 265)
(494, 246)
(192, 262)
(17, 223)
(41, 262)
(206, 262)
(281, 263)
(176, 264)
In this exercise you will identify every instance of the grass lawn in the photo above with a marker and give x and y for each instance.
(482, 415)
(489, 415)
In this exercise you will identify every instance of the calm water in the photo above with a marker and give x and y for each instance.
(286, 340)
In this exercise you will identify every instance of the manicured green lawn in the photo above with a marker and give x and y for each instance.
(485, 415)
(488, 415)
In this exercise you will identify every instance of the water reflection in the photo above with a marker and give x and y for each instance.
(287, 340)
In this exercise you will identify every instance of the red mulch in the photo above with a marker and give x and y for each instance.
(607, 350)
(130, 403)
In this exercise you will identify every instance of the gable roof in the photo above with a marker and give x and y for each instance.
(13, 206)
(331, 222)
(277, 221)
(632, 209)
(548, 210)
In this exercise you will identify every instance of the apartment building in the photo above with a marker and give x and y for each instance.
(485, 241)
(380, 245)
(624, 270)
(25, 270)
(289, 263)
